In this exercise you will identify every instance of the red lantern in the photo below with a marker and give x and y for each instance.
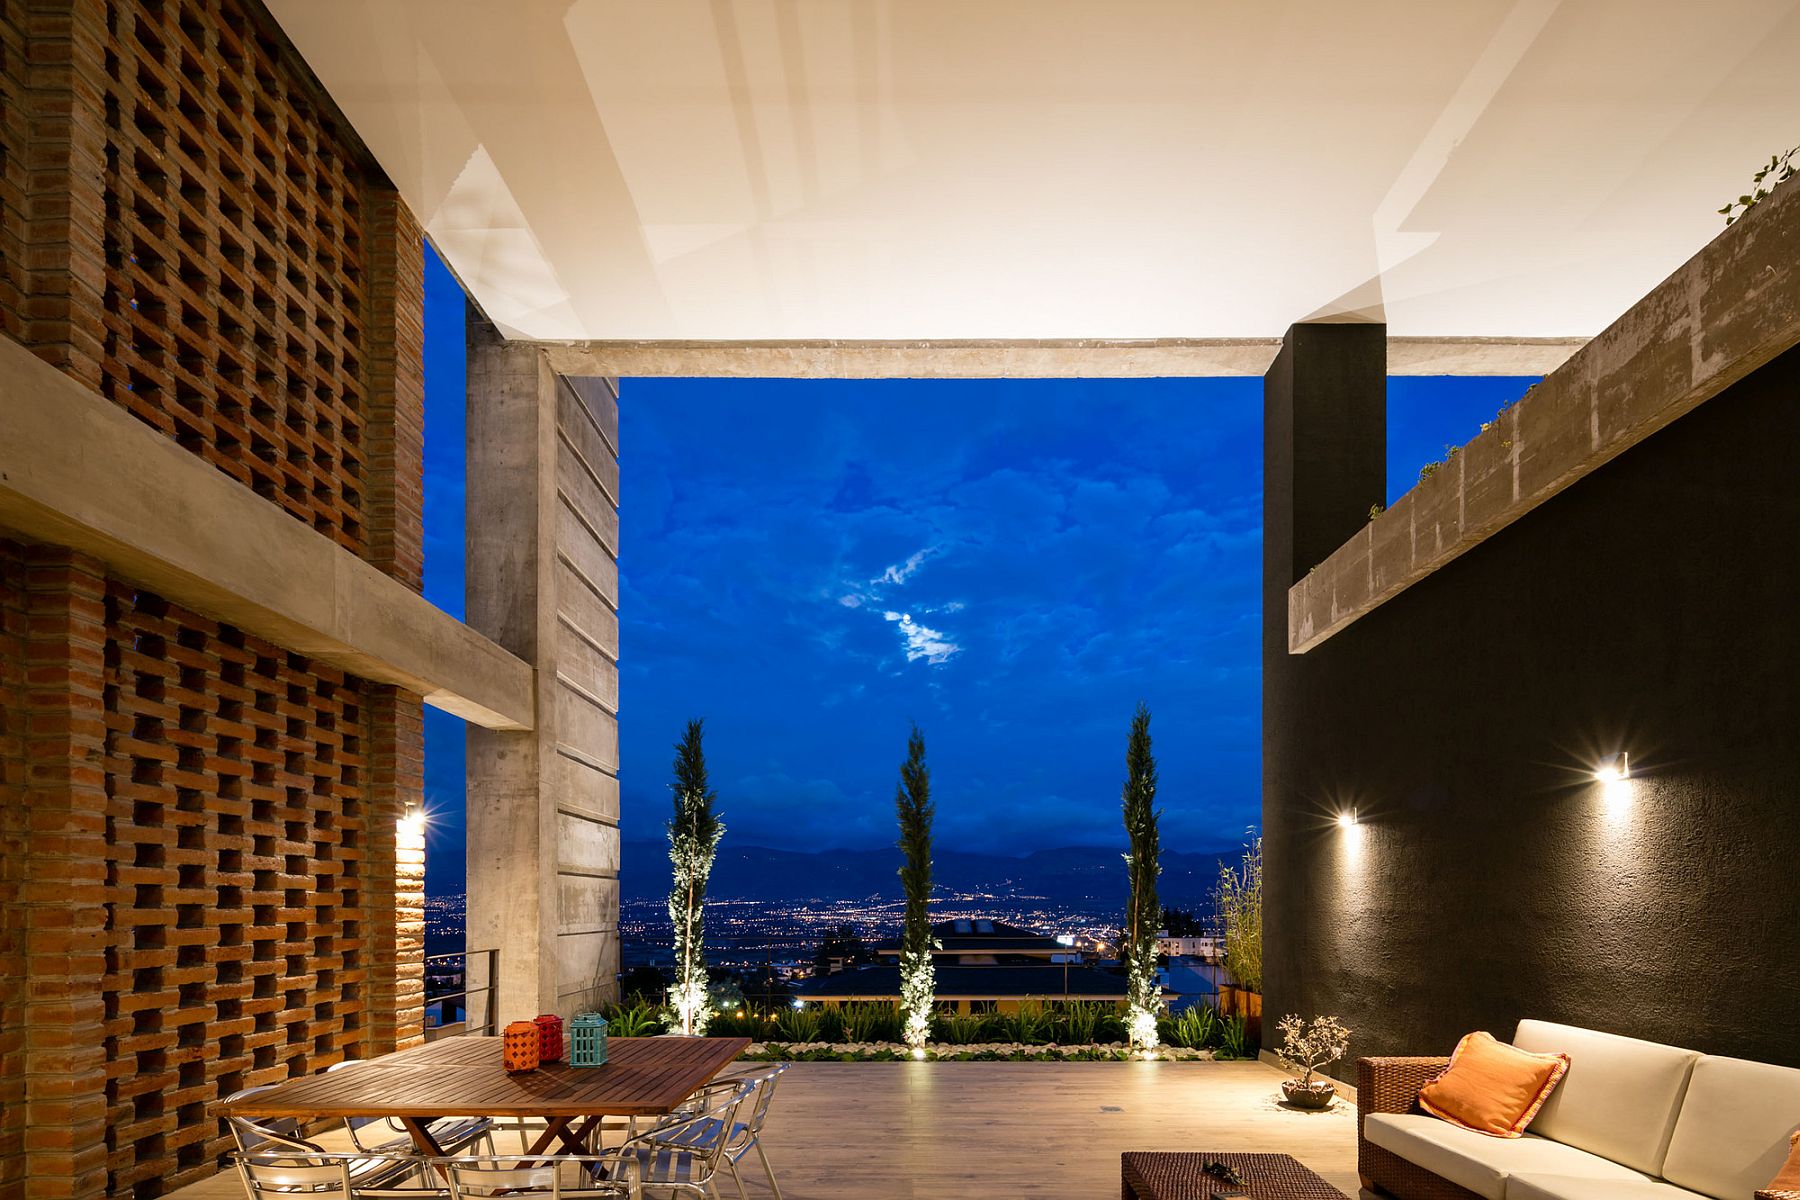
(550, 1038)
(519, 1046)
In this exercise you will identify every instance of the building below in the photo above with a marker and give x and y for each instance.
(978, 941)
(1207, 946)
(981, 966)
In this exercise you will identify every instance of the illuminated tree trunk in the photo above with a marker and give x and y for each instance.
(694, 835)
(918, 983)
(1143, 996)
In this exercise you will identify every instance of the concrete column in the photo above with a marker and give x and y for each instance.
(1324, 465)
(543, 805)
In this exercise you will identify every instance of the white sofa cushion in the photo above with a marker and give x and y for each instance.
(1732, 1135)
(1479, 1162)
(1586, 1187)
(1620, 1096)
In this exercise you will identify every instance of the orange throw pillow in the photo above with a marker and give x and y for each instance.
(1786, 1184)
(1491, 1087)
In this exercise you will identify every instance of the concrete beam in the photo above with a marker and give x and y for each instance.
(1727, 311)
(1090, 358)
(78, 471)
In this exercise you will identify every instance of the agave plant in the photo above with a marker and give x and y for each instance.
(1234, 1038)
(1029, 1025)
(1080, 1022)
(1196, 1027)
(960, 1028)
(633, 1020)
(801, 1025)
(870, 1022)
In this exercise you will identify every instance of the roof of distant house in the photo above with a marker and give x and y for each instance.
(1047, 982)
(979, 935)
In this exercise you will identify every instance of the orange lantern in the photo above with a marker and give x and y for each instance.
(550, 1038)
(519, 1046)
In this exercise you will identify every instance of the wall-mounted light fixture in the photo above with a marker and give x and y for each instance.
(1346, 818)
(410, 830)
(1615, 769)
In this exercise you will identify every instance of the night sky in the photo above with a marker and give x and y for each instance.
(812, 566)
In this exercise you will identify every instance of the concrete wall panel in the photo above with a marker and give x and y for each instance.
(585, 611)
(583, 667)
(585, 555)
(589, 904)
(582, 787)
(586, 846)
(586, 728)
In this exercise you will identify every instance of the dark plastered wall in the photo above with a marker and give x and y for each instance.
(1654, 607)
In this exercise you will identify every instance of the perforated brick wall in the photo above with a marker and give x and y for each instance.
(201, 880)
(235, 954)
(186, 227)
(13, 129)
(234, 259)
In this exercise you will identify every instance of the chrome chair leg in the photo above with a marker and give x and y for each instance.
(767, 1169)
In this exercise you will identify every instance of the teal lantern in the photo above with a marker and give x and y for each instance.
(587, 1040)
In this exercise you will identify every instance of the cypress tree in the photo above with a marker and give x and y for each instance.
(694, 835)
(1143, 863)
(912, 804)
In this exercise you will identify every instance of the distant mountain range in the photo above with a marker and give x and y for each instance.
(1070, 875)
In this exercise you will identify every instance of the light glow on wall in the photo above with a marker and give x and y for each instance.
(1614, 778)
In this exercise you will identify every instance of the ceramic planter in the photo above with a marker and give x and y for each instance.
(1315, 1095)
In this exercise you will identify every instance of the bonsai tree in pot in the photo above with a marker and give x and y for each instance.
(1309, 1049)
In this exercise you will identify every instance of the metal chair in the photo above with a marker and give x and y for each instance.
(283, 1174)
(558, 1176)
(747, 1135)
(266, 1133)
(682, 1154)
(452, 1134)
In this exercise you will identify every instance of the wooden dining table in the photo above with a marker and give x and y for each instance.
(463, 1077)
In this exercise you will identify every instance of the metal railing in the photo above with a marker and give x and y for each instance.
(459, 993)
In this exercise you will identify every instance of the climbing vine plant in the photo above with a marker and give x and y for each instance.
(1780, 169)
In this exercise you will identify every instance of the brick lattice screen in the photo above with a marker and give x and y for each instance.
(201, 884)
(234, 259)
(235, 953)
(13, 133)
(185, 228)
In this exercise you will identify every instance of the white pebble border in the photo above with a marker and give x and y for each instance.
(950, 1050)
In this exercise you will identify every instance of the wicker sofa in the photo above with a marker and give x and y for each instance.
(1631, 1120)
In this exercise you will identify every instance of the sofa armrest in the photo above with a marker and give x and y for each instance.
(1391, 1085)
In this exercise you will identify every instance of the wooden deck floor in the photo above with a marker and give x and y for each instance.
(1036, 1131)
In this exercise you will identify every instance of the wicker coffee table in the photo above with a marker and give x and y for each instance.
(1150, 1176)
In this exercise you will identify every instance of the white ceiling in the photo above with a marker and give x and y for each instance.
(763, 169)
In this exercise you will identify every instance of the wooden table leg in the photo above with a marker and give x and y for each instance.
(558, 1130)
(424, 1143)
(420, 1128)
(586, 1131)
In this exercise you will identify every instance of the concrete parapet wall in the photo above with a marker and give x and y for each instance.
(1730, 309)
